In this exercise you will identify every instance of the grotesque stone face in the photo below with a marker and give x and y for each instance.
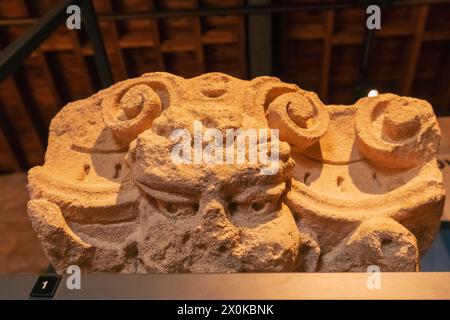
(210, 218)
(354, 185)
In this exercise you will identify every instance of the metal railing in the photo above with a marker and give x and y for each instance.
(12, 57)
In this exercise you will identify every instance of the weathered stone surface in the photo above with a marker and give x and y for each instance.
(356, 186)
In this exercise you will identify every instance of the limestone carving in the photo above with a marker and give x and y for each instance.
(356, 185)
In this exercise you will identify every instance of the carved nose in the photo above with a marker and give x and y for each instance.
(213, 209)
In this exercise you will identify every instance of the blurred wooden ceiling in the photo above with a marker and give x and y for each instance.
(318, 50)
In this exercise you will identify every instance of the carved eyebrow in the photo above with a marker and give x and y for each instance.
(164, 195)
(255, 192)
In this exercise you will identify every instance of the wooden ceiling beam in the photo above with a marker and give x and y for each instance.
(420, 21)
(242, 46)
(260, 41)
(157, 40)
(81, 61)
(443, 90)
(326, 56)
(198, 41)
(49, 79)
(116, 54)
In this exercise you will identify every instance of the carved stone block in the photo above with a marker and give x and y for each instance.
(355, 185)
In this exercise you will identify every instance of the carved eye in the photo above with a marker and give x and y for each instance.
(175, 209)
(301, 118)
(396, 132)
(253, 212)
(264, 206)
(259, 207)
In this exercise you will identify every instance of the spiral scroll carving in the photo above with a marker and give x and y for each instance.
(396, 132)
(131, 111)
(301, 119)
